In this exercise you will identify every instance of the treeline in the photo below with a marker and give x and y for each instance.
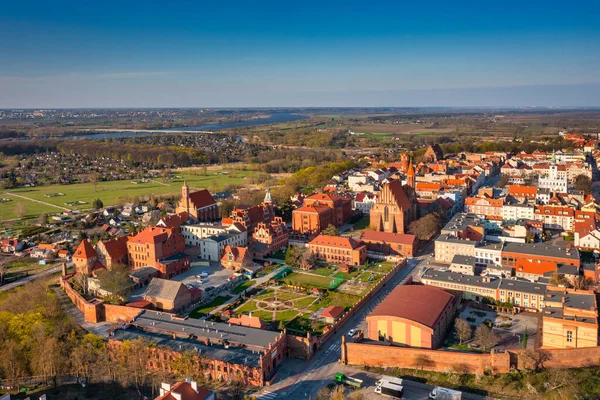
(152, 155)
(528, 146)
(292, 160)
(307, 136)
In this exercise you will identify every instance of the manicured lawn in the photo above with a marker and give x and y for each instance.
(335, 299)
(383, 267)
(281, 295)
(266, 316)
(322, 271)
(366, 277)
(303, 303)
(286, 315)
(248, 307)
(310, 280)
(243, 286)
(114, 192)
(206, 308)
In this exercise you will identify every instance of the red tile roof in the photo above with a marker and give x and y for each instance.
(421, 304)
(202, 198)
(116, 248)
(85, 250)
(336, 241)
(401, 238)
(186, 392)
(332, 312)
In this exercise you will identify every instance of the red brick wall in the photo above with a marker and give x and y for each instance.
(114, 313)
(92, 311)
(431, 360)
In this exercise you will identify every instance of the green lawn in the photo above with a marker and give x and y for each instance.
(114, 192)
(247, 308)
(243, 286)
(286, 315)
(322, 271)
(310, 280)
(266, 316)
(383, 267)
(303, 303)
(335, 299)
(362, 223)
(206, 308)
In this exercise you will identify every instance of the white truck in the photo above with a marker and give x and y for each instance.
(440, 393)
(390, 386)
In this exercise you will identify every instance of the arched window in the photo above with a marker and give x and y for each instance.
(386, 214)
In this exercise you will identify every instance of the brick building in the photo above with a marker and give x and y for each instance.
(161, 248)
(112, 252)
(199, 205)
(319, 211)
(396, 206)
(269, 238)
(412, 315)
(250, 216)
(85, 258)
(168, 295)
(236, 258)
(390, 243)
(570, 319)
(513, 252)
(337, 249)
(221, 352)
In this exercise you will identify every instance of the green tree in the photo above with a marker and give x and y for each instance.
(98, 204)
(331, 230)
(583, 183)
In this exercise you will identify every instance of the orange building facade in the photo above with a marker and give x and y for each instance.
(336, 249)
(161, 248)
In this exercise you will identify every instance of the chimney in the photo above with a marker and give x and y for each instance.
(194, 386)
(176, 396)
(165, 387)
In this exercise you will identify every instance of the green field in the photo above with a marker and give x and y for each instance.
(113, 192)
(243, 286)
(206, 308)
(311, 280)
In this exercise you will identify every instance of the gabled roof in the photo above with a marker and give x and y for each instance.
(202, 198)
(85, 250)
(116, 248)
(332, 312)
(165, 289)
(184, 391)
(317, 209)
(151, 235)
(397, 192)
(173, 221)
(388, 237)
(238, 253)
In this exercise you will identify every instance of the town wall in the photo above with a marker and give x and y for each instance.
(375, 355)
(115, 313)
(92, 310)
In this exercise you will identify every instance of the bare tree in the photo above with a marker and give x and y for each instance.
(463, 330)
(3, 269)
(534, 359)
(94, 179)
(486, 336)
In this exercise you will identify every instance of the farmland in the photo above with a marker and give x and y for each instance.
(112, 192)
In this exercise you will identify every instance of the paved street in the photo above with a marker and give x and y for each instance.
(299, 379)
(30, 278)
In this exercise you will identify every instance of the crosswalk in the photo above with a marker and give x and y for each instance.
(335, 347)
(267, 396)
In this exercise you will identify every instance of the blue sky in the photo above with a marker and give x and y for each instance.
(309, 53)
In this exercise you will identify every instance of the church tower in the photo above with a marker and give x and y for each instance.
(185, 196)
(411, 179)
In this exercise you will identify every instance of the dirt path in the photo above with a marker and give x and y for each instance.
(38, 201)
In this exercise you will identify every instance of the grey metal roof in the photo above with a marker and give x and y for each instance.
(541, 249)
(491, 246)
(454, 277)
(166, 323)
(463, 260)
(461, 220)
(143, 272)
(453, 239)
(233, 355)
(523, 286)
(584, 301)
(173, 258)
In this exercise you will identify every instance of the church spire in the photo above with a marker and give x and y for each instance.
(410, 175)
